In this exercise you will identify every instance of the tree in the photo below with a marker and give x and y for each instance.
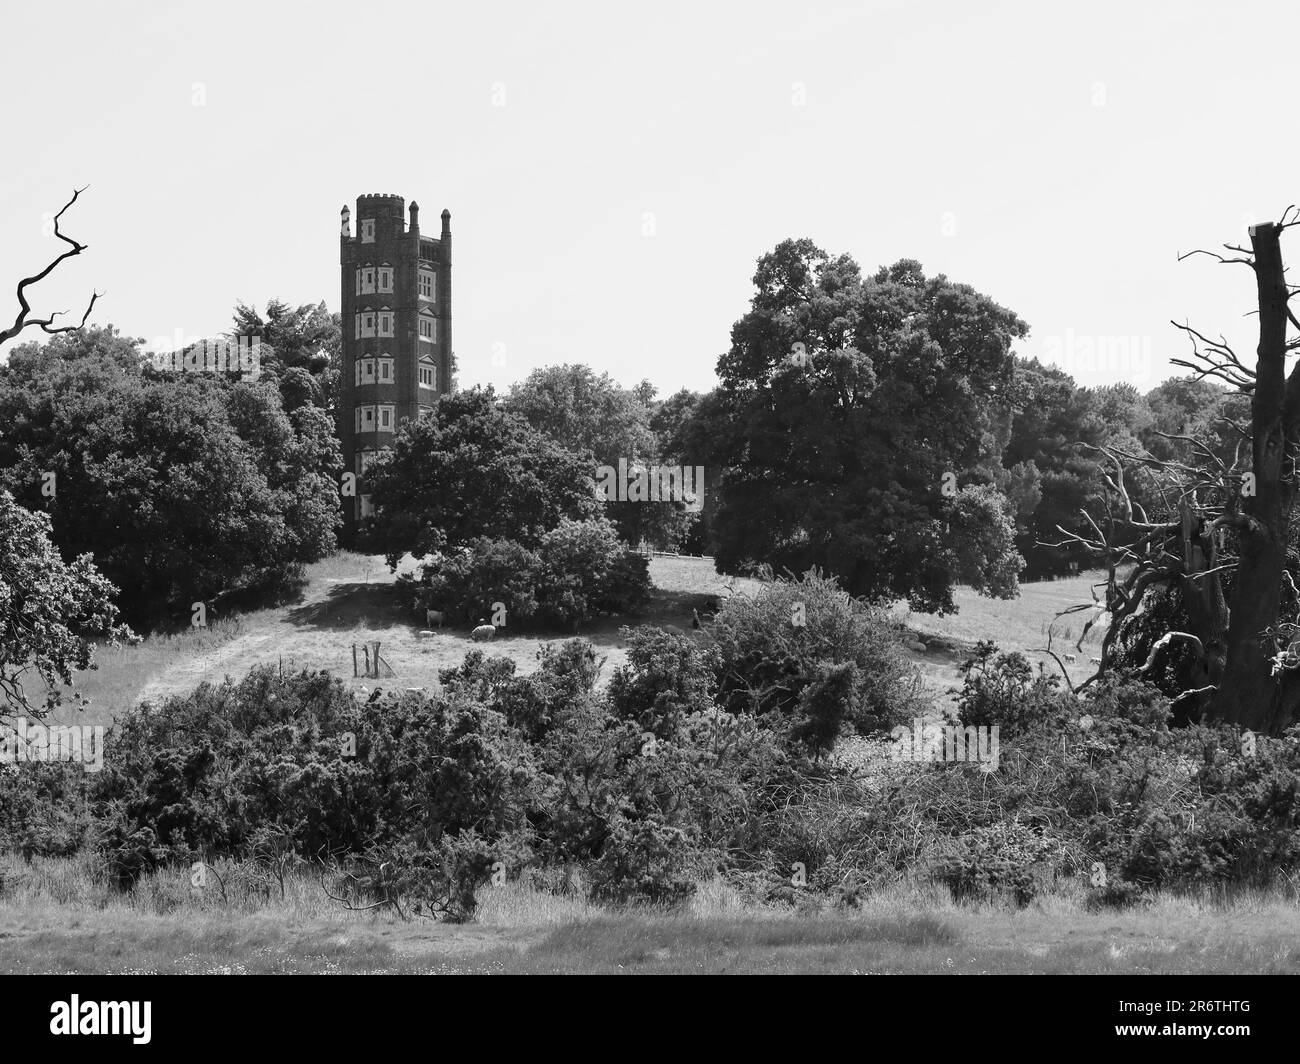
(307, 337)
(472, 468)
(1220, 549)
(586, 412)
(47, 608)
(46, 325)
(857, 409)
(184, 486)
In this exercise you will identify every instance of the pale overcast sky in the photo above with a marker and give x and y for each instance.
(614, 171)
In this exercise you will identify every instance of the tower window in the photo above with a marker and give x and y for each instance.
(386, 418)
(365, 280)
(385, 279)
(428, 328)
(385, 370)
(429, 376)
(366, 418)
(426, 285)
(366, 324)
(365, 371)
(385, 324)
(367, 230)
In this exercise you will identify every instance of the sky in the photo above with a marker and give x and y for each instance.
(614, 171)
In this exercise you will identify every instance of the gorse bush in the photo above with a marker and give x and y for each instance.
(1001, 689)
(783, 654)
(667, 777)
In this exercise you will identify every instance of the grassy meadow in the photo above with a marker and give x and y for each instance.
(346, 600)
(56, 915)
(60, 915)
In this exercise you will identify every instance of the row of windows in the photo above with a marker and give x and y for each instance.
(372, 370)
(375, 418)
(372, 279)
(374, 323)
(382, 323)
(380, 371)
(379, 279)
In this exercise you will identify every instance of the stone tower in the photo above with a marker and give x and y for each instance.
(396, 331)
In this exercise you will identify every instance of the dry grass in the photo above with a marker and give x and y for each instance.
(347, 599)
(58, 916)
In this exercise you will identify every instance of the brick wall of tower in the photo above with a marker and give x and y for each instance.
(397, 247)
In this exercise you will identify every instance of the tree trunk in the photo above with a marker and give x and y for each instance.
(1249, 695)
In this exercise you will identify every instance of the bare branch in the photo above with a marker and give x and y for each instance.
(22, 321)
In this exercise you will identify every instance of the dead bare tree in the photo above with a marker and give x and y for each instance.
(1221, 540)
(23, 321)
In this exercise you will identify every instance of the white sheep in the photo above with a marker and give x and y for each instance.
(1070, 658)
(433, 617)
(1095, 661)
(484, 632)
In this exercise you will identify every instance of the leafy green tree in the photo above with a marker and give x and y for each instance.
(472, 468)
(307, 337)
(183, 486)
(586, 412)
(47, 609)
(857, 407)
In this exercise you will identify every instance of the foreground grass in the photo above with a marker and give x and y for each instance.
(58, 916)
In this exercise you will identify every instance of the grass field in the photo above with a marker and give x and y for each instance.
(346, 599)
(55, 917)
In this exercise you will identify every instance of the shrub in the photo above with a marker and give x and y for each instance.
(667, 677)
(795, 633)
(1000, 689)
(584, 563)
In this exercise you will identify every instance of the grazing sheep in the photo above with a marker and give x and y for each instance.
(424, 635)
(1095, 661)
(1070, 658)
(483, 632)
(433, 617)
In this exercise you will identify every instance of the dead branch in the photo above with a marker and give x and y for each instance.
(22, 321)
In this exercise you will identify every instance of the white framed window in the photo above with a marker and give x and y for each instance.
(365, 459)
(385, 278)
(386, 323)
(365, 371)
(385, 370)
(366, 418)
(386, 418)
(428, 375)
(427, 285)
(428, 328)
(365, 280)
(367, 230)
(365, 323)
